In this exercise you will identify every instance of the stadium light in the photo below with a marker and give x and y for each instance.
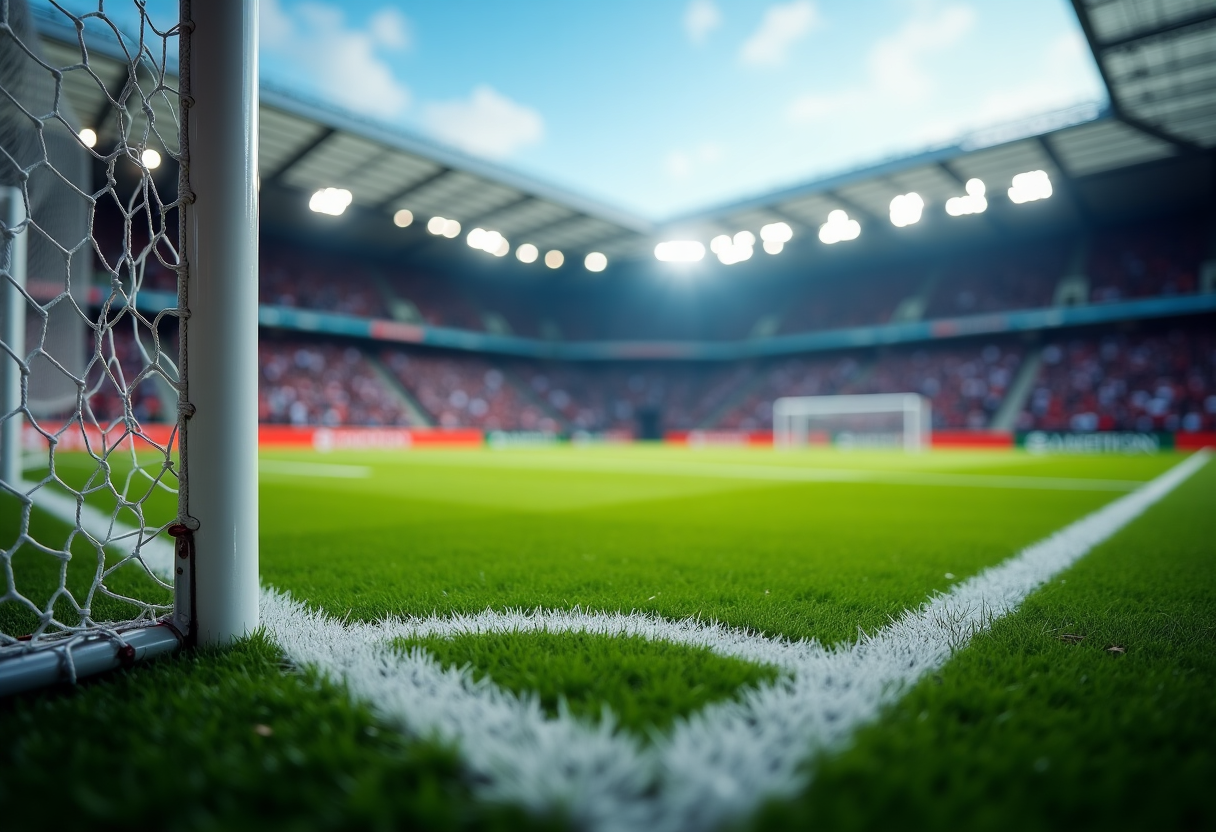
(88, 137)
(491, 242)
(1030, 186)
(906, 209)
(403, 218)
(451, 229)
(435, 225)
(596, 261)
(554, 259)
(679, 251)
(973, 203)
(332, 201)
(731, 251)
(775, 236)
(527, 253)
(838, 228)
(151, 159)
(777, 232)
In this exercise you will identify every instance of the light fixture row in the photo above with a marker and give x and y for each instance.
(905, 209)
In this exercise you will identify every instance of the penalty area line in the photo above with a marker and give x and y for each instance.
(715, 766)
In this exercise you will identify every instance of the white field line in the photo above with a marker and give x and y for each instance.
(156, 552)
(713, 767)
(781, 473)
(278, 467)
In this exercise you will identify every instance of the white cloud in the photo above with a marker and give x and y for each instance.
(487, 123)
(391, 29)
(681, 164)
(896, 76)
(895, 61)
(343, 63)
(700, 18)
(781, 27)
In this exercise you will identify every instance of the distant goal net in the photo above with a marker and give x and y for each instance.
(878, 420)
(128, 334)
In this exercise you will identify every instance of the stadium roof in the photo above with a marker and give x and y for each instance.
(1158, 58)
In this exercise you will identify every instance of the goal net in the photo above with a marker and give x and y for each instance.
(879, 420)
(98, 529)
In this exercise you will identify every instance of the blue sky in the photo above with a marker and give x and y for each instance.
(665, 106)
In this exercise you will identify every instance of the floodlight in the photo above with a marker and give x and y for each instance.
(332, 201)
(403, 218)
(527, 253)
(88, 137)
(679, 251)
(906, 209)
(1030, 186)
(503, 248)
(151, 160)
(773, 246)
(839, 227)
(476, 238)
(776, 232)
(595, 261)
(436, 225)
(744, 238)
(554, 259)
(973, 203)
(451, 229)
(720, 243)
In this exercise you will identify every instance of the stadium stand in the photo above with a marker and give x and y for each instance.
(467, 391)
(1162, 380)
(323, 384)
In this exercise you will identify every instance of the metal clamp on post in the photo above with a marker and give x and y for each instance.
(183, 581)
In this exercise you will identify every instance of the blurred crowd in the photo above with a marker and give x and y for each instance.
(1117, 381)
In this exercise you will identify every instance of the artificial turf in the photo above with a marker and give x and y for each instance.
(667, 531)
(1090, 708)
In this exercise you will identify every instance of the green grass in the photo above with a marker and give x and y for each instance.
(1039, 724)
(646, 684)
(65, 583)
(673, 532)
(221, 741)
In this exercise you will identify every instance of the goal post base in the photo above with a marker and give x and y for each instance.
(76, 659)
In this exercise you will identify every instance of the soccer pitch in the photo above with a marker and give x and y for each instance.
(405, 677)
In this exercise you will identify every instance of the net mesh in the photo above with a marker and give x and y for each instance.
(89, 320)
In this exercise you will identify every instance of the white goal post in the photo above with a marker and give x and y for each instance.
(847, 420)
(128, 520)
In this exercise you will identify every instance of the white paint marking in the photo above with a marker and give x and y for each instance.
(278, 467)
(719, 764)
(156, 552)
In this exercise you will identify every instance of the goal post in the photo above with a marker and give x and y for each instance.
(128, 519)
(873, 420)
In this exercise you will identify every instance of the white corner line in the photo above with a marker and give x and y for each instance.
(714, 767)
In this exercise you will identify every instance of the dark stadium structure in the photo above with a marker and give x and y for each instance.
(1093, 310)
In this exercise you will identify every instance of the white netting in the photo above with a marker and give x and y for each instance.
(89, 313)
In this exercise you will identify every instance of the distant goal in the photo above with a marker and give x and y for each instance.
(877, 420)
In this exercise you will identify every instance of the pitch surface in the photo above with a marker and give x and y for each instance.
(814, 545)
